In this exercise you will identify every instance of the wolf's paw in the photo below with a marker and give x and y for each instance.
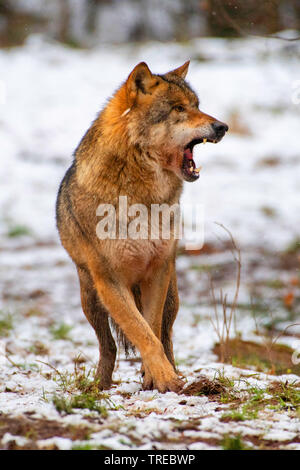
(173, 385)
(102, 381)
(163, 381)
(103, 384)
(148, 383)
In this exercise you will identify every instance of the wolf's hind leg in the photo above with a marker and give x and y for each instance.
(169, 315)
(98, 318)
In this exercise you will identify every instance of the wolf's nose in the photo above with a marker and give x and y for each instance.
(220, 128)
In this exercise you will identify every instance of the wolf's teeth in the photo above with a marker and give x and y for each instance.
(197, 170)
(204, 141)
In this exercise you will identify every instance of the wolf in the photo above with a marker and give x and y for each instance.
(139, 146)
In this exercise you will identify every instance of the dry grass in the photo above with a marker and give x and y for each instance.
(223, 331)
(275, 360)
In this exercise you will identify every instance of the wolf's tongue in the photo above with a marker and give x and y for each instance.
(188, 154)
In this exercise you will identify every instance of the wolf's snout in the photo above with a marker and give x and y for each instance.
(219, 128)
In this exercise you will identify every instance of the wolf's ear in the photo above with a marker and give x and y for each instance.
(140, 79)
(181, 71)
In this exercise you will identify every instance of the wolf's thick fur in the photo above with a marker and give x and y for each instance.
(134, 148)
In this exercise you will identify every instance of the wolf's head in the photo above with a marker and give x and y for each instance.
(163, 117)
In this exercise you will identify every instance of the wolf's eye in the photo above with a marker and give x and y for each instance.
(179, 109)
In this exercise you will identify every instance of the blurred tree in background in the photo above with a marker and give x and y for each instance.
(16, 24)
(88, 22)
(238, 17)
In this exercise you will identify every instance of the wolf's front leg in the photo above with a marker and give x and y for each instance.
(119, 301)
(154, 293)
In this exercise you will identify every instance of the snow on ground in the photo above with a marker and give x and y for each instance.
(249, 183)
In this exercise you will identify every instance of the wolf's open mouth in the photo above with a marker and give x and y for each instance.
(189, 170)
